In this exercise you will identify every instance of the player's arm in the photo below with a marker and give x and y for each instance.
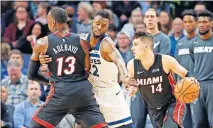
(171, 64)
(111, 51)
(86, 47)
(131, 84)
(34, 64)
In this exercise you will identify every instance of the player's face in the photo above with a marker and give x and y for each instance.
(138, 48)
(151, 19)
(51, 23)
(99, 26)
(204, 25)
(189, 23)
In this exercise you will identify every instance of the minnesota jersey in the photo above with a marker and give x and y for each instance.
(102, 72)
(154, 84)
(67, 58)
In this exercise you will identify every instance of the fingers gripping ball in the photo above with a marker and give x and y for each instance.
(187, 90)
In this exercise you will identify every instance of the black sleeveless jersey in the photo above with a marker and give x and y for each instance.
(154, 84)
(67, 58)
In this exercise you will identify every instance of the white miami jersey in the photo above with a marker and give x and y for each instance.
(102, 72)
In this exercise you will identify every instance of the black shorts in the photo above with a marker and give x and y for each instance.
(170, 115)
(76, 98)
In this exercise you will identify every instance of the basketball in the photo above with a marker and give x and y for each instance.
(186, 90)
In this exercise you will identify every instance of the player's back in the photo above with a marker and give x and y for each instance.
(67, 58)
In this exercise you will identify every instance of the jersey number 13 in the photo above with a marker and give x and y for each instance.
(70, 61)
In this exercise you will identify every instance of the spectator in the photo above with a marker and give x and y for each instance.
(42, 15)
(165, 22)
(25, 110)
(177, 28)
(4, 96)
(20, 26)
(112, 32)
(8, 16)
(25, 44)
(136, 17)
(123, 45)
(99, 5)
(15, 55)
(5, 50)
(16, 83)
(44, 88)
(6, 119)
(123, 10)
(85, 15)
(140, 27)
(199, 7)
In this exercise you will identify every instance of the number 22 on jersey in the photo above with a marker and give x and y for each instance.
(70, 61)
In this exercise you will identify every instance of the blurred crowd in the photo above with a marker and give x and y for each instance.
(22, 23)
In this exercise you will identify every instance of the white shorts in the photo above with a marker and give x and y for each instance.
(113, 105)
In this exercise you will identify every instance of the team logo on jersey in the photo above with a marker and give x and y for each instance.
(155, 70)
(150, 80)
(184, 51)
(180, 44)
(140, 72)
(156, 44)
(203, 49)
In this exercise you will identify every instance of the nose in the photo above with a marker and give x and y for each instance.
(99, 27)
(132, 48)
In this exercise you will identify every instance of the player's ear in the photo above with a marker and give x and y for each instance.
(54, 22)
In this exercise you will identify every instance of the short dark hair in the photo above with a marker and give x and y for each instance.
(144, 35)
(200, 3)
(103, 13)
(59, 14)
(205, 13)
(189, 12)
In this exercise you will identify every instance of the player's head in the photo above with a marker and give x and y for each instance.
(100, 23)
(151, 19)
(57, 17)
(142, 43)
(204, 22)
(189, 20)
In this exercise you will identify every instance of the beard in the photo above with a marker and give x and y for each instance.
(97, 36)
(204, 33)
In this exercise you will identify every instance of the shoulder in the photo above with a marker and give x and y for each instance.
(130, 64)
(5, 81)
(108, 43)
(42, 41)
(164, 36)
(20, 106)
(84, 36)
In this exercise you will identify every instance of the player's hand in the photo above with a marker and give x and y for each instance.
(44, 59)
(129, 82)
(195, 80)
(132, 90)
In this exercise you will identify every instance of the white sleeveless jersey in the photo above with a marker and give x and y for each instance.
(102, 72)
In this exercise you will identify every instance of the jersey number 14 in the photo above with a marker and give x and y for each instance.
(157, 89)
(70, 61)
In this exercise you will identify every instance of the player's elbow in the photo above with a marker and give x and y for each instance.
(29, 76)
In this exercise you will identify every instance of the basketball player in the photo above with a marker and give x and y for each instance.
(161, 41)
(71, 91)
(182, 53)
(161, 45)
(202, 53)
(153, 74)
(106, 71)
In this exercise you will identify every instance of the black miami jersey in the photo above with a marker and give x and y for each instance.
(154, 84)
